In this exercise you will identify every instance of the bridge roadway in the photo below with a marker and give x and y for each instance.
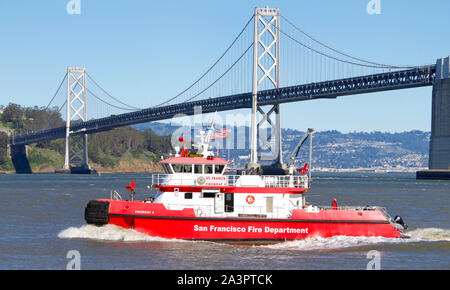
(403, 79)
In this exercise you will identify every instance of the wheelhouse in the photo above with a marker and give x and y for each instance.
(194, 165)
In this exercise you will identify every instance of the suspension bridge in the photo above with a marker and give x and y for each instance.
(247, 75)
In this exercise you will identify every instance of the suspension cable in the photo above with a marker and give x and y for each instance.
(215, 63)
(62, 106)
(242, 55)
(333, 57)
(378, 65)
(98, 98)
(60, 85)
(117, 100)
(131, 108)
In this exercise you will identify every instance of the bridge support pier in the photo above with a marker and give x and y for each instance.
(439, 157)
(19, 158)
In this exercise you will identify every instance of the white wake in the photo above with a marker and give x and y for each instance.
(342, 242)
(430, 234)
(108, 233)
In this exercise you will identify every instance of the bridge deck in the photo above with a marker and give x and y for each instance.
(403, 79)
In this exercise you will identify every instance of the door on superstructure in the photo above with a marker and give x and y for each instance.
(218, 203)
(229, 202)
(269, 204)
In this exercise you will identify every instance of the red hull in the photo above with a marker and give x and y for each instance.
(155, 220)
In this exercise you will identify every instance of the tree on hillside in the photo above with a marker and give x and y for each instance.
(42, 119)
(105, 147)
(13, 113)
(3, 149)
(157, 144)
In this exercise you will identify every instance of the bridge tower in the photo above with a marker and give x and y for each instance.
(266, 71)
(76, 152)
(439, 157)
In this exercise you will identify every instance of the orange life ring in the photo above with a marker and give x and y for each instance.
(250, 199)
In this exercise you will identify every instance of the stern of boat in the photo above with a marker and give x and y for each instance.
(96, 212)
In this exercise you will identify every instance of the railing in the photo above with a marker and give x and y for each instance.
(289, 181)
(114, 195)
(285, 181)
(168, 179)
(382, 209)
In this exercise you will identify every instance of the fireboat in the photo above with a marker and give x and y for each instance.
(197, 200)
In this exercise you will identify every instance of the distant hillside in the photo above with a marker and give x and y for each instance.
(333, 149)
(160, 129)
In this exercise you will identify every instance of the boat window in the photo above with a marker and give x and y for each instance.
(188, 195)
(177, 168)
(209, 194)
(187, 168)
(218, 168)
(198, 169)
(208, 169)
(166, 168)
(157, 195)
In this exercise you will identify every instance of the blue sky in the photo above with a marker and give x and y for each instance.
(148, 51)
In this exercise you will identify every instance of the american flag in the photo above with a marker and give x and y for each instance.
(220, 134)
